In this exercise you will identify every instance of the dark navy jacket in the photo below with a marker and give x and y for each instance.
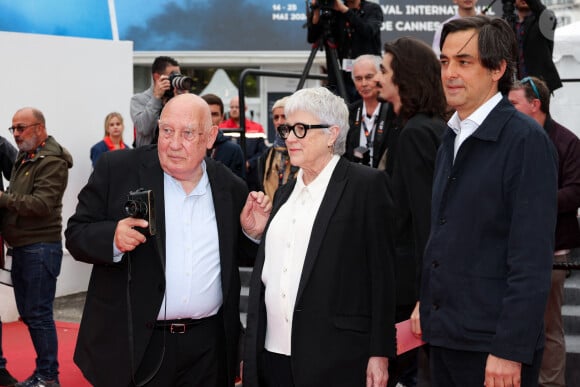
(487, 264)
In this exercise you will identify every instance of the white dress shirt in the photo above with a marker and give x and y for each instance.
(193, 275)
(464, 129)
(287, 240)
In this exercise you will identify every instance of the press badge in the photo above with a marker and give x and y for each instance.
(347, 64)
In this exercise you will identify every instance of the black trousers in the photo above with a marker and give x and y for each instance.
(275, 370)
(454, 368)
(195, 358)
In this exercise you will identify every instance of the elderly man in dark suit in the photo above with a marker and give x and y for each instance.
(164, 308)
(487, 264)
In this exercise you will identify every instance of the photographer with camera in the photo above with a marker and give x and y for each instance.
(353, 27)
(369, 119)
(534, 29)
(146, 106)
(162, 307)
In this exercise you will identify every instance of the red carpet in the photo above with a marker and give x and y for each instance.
(20, 354)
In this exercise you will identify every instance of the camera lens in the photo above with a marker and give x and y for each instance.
(182, 82)
(136, 209)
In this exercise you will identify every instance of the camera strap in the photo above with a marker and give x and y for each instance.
(131, 339)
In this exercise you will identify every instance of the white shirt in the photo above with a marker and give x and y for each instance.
(464, 129)
(287, 240)
(193, 275)
(369, 123)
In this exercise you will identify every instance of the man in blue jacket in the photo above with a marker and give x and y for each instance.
(487, 264)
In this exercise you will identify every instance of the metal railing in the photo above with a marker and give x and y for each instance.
(242, 93)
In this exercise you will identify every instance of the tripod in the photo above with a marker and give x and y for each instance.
(326, 42)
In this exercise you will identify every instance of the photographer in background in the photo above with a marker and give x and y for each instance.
(146, 106)
(369, 120)
(354, 26)
(534, 31)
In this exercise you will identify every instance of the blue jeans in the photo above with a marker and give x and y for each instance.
(2, 358)
(34, 271)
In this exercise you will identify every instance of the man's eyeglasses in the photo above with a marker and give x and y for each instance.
(188, 135)
(531, 82)
(21, 128)
(299, 129)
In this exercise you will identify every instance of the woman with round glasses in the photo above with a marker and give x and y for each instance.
(321, 308)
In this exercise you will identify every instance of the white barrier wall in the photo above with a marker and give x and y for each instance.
(75, 82)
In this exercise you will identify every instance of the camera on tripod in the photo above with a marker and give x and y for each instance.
(179, 82)
(140, 204)
(326, 6)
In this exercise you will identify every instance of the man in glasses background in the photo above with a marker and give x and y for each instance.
(531, 96)
(274, 167)
(32, 226)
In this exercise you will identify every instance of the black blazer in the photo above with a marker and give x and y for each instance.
(102, 350)
(412, 159)
(344, 311)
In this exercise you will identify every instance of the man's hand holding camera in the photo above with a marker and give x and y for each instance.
(134, 230)
(161, 85)
(126, 237)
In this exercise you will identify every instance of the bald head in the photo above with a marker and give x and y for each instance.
(235, 108)
(188, 108)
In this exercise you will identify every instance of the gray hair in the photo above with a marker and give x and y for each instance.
(280, 103)
(375, 59)
(327, 107)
